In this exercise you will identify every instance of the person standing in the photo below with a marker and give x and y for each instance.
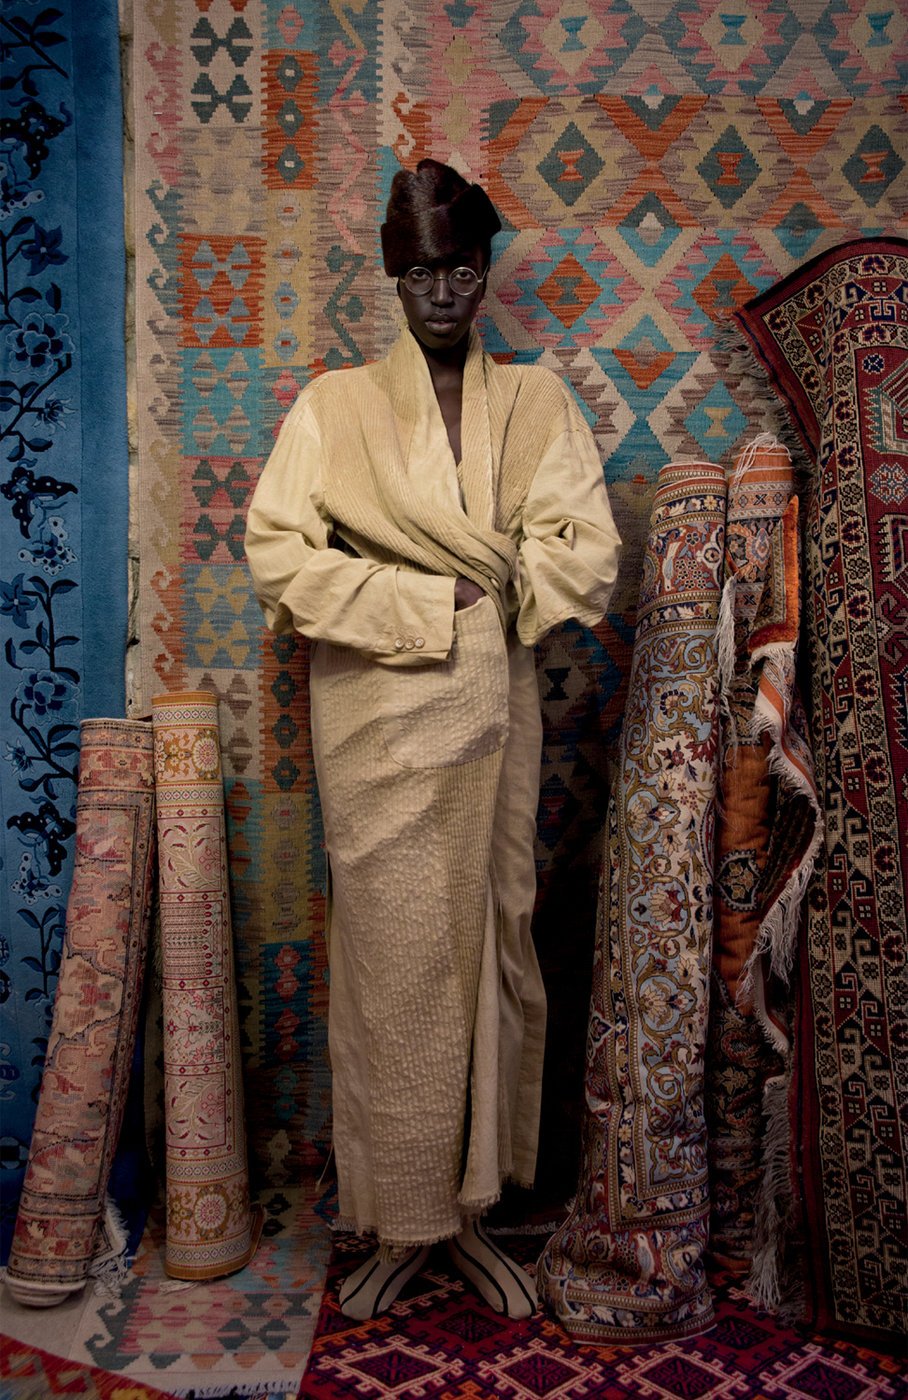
(425, 520)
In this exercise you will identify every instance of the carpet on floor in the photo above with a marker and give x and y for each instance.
(439, 1341)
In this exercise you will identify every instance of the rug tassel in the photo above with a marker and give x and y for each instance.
(766, 1285)
(725, 654)
(109, 1269)
(763, 442)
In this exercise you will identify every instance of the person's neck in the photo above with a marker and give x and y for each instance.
(446, 364)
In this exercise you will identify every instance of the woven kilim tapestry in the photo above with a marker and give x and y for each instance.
(629, 1261)
(212, 1229)
(834, 340)
(655, 167)
(63, 494)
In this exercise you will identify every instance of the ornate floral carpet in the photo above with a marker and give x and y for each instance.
(656, 166)
(833, 338)
(629, 1261)
(212, 1230)
(96, 1010)
(63, 494)
(440, 1342)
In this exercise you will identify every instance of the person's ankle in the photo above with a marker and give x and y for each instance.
(505, 1286)
(375, 1285)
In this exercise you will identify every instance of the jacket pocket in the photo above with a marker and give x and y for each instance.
(452, 711)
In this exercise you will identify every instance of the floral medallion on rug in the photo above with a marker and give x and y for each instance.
(441, 1342)
(212, 1229)
(767, 832)
(63, 494)
(628, 1264)
(61, 1229)
(833, 338)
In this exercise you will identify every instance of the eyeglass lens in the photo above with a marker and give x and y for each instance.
(462, 280)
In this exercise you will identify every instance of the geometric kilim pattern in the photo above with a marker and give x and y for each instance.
(440, 1342)
(656, 166)
(834, 338)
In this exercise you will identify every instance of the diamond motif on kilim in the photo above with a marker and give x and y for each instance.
(470, 1325)
(214, 272)
(394, 1367)
(569, 289)
(873, 166)
(865, 43)
(649, 229)
(569, 46)
(678, 1375)
(540, 1374)
(570, 165)
(730, 49)
(729, 168)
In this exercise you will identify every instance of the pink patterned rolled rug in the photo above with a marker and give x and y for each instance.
(211, 1228)
(65, 1227)
(628, 1264)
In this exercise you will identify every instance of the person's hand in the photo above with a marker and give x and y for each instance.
(466, 593)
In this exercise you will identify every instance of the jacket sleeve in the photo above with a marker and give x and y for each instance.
(398, 616)
(568, 557)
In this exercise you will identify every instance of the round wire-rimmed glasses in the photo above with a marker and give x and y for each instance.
(463, 281)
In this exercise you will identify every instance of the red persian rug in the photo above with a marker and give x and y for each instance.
(62, 1228)
(833, 338)
(212, 1230)
(628, 1263)
(441, 1342)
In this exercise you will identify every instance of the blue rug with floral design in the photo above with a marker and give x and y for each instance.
(63, 493)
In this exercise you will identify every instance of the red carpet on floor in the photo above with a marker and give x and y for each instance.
(440, 1342)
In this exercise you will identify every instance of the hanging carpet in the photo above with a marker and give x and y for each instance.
(833, 339)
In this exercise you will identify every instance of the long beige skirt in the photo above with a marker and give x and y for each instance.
(429, 780)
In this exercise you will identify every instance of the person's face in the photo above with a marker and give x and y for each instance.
(441, 318)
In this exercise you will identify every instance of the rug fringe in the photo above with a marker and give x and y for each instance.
(109, 1268)
(725, 656)
(763, 442)
(766, 1285)
(778, 931)
(251, 1390)
(739, 364)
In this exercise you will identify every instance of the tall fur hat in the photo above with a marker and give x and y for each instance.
(432, 214)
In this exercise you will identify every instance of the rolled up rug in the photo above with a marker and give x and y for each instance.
(767, 834)
(628, 1264)
(212, 1229)
(65, 1227)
